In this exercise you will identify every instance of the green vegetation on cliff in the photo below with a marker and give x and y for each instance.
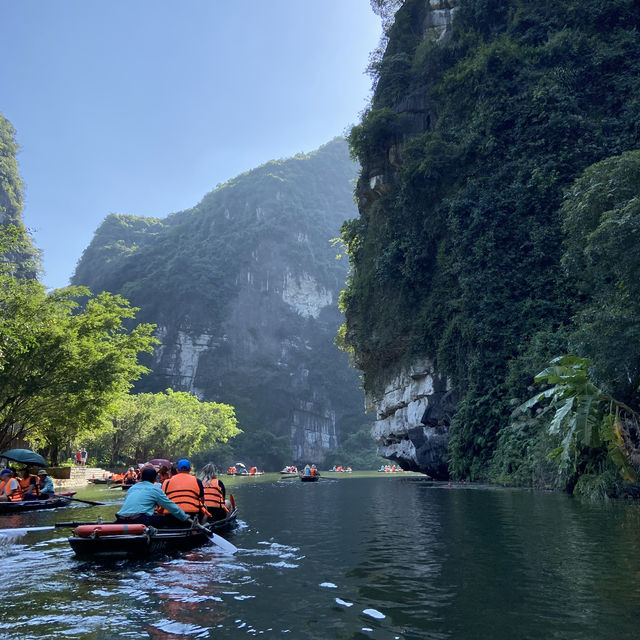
(464, 251)
(22, 255)
(188, 264)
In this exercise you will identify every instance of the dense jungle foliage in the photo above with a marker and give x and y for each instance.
(506, 233)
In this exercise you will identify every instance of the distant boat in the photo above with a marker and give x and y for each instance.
(60, 500)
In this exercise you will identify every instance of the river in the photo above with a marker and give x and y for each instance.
(350, 557)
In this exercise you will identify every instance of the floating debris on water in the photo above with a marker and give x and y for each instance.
(328, 585)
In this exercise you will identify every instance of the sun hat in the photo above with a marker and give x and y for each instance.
(183, 464)
(42, 472)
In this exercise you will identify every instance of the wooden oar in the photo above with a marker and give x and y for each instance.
(91, 502)
(26, 529)
(217, 540)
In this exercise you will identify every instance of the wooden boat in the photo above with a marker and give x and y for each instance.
(98, 480)
(310, 478)
(289, 472)
(60, 500)
(245, 474)
(112, 540)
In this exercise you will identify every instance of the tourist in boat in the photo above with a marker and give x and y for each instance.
(253, 471)
(130, 476)
(8, 485)
(28, 485)
(45, 485)
(143, 498)
(186, 490)
(214, 493)
(307, 470)
(163, 475)
(314, 470)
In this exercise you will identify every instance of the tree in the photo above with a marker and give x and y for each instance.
(163, 425)
(601, 219)
(23, 257)
(590, 424)
(62, 364)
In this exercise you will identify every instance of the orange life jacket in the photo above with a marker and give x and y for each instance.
(25, 483)
(184, 490)
(4, 487)
(213, 497)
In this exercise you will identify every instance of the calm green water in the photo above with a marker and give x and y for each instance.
(346, 558)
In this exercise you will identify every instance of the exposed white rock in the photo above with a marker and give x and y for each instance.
(185, 353)
(305, 295)
(399, 430)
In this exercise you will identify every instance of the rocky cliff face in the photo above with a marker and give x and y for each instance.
(414, 408)
(413, 415)
(244, 291)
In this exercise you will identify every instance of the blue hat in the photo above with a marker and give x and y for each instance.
(183, 464)
(5, 471)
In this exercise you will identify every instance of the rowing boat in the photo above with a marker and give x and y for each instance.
(115, 539)
(60, 500)
(310, 478)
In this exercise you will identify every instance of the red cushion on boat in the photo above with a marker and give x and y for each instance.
(99, 530)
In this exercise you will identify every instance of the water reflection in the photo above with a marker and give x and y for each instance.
(345, 559)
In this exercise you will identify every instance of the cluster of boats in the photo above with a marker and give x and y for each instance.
(117, 539)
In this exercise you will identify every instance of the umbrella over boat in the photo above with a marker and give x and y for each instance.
(26, 456)
(158, 462)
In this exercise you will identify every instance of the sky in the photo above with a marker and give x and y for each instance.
(144, 106)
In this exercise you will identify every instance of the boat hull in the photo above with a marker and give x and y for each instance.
(309, 478)
(154, 541)
(33, 505)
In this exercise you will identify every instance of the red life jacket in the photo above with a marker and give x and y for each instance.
(184, 490)
(213, 497)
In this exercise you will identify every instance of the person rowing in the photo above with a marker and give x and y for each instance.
(45, 485)
(143, 498)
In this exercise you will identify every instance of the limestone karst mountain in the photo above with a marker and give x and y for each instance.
(244, 291)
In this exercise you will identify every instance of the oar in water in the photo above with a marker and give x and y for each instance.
(95, 504)
(217, 540)
(26, 529)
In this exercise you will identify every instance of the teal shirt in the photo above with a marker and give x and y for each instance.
(143, 498)
(47, 486)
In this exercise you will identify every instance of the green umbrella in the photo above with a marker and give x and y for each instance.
(25, 456)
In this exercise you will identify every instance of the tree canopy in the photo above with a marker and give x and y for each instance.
(169, 425)
(62, 363)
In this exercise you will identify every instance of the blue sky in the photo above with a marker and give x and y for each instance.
(144, 106)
